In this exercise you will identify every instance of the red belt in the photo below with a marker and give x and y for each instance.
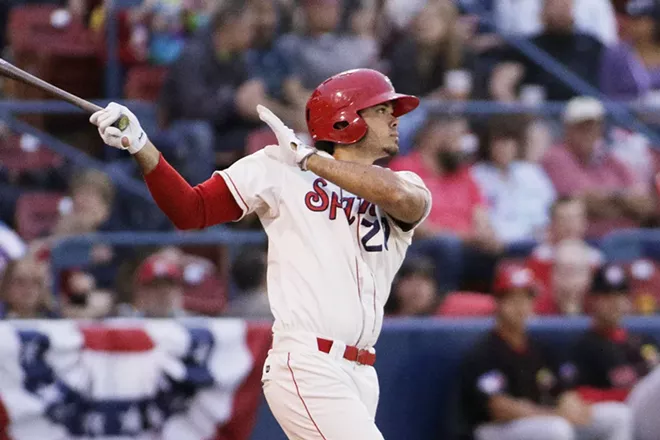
(351, 353)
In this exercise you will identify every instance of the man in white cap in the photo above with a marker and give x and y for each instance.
(583, 167)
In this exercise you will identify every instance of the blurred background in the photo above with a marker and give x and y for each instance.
(538, 137)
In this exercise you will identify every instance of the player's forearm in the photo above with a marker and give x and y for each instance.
(147, 158)
(381, 186)
(504, 408)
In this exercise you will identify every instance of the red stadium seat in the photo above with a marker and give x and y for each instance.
(67, 57)
(258, 139)
(205, 290)
(30, 156)
(466, 304)
(37, 213)
(145, 82)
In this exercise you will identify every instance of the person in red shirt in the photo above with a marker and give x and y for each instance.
(457, 234)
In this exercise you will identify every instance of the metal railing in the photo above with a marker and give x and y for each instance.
(76, 251)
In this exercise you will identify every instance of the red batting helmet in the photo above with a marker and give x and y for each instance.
(339, 98)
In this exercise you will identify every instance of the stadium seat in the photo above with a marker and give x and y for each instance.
(205, 291)
(66, 57)
(145, 82)
(258, 139)
(37, 214)
(466, 304)
(22, 154)
(645, 285)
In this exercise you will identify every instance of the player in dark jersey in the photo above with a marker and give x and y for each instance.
(510, 390)
(614, 364)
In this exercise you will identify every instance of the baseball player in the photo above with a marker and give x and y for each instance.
(338, 230)
(510, 389)
(614, 364)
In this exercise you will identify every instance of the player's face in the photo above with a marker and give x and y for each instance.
(515, 309)
(382, 137)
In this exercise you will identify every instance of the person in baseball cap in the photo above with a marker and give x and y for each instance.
(515, 288)
(610, 300)
(612, 361)
(158, 288)
(511, 389)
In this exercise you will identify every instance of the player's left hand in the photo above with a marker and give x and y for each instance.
(294, 151)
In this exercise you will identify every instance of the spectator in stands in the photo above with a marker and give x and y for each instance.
(614, 364)
(518, 193)
(538, 138)
(81, 299)
(269, 63)
(158, 289)
(592, 17)
(12, 248)
(570, 279)
(422, 63)
(582, 167)
(92, 195)
(578, 52)
(631, 69)
(209, 82)
(24, 291)
(511, 389)
(321, 51)
(249, 275)
(568, 222)
(457, 235)
(414, 292)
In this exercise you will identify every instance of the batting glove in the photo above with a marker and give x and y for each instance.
(132, 138)
(294, 151)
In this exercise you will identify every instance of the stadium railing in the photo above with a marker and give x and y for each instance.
(620, 113)
(76, 251)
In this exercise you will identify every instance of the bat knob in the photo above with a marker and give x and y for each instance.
(121, 123)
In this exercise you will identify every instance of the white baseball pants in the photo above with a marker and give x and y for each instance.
(644, 400)
(319, 396)
(611, 421)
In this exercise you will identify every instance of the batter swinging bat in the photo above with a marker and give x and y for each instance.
(10, 71)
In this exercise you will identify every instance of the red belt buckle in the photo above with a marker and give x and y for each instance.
(351, 353)
(365, 357)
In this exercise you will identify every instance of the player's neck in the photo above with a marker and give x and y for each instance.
(352, 154)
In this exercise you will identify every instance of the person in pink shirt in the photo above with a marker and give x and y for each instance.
(582, 167)
(457, 234)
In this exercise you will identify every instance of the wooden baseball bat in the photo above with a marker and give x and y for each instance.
(10, 71)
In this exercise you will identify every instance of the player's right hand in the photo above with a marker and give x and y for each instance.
(132, 138)
(294, 151)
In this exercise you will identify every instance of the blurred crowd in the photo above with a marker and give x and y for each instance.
(540, 191)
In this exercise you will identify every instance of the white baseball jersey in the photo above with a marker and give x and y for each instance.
(331, 255)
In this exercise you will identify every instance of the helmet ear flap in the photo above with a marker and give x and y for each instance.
(348, 128)
(340, 125)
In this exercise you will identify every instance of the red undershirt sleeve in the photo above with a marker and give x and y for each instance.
(207, 204)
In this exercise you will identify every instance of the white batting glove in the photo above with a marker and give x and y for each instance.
(294, 151)
(132, 138)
